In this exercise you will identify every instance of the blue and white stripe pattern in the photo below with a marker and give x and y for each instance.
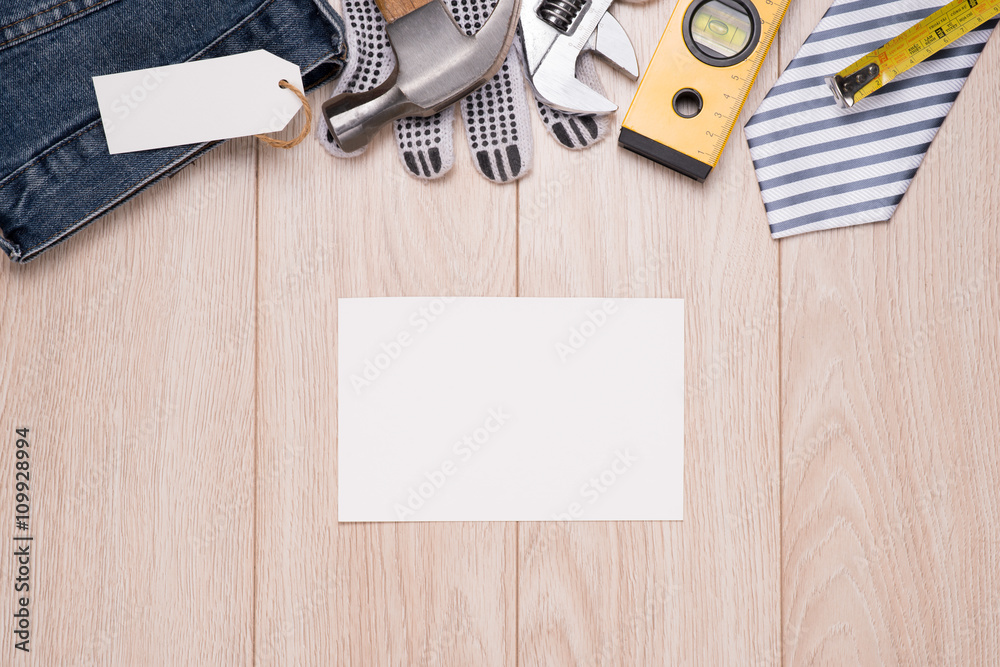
(820, 166)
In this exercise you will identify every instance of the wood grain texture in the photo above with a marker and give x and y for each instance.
(891, 415)
(125, 352)
(397, 9)
(608, 223)
(176, 364)
(366, 594)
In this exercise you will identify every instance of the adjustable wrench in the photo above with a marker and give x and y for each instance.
(555, 33)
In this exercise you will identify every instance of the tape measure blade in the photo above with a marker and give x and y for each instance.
(911, 47)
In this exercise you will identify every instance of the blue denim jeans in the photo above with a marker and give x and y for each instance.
(56, 174)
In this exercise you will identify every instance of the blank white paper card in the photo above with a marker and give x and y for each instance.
(510, 409)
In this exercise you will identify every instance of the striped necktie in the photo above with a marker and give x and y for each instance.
(820, 166)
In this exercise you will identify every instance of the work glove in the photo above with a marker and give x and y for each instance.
(496, 116)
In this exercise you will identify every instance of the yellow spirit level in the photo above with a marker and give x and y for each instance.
(697, 81)
(915, 45)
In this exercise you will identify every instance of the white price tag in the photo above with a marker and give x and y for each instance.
(198, 101)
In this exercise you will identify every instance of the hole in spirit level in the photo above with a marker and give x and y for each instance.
(688, 103)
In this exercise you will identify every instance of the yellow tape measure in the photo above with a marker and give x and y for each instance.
(697, 81)
(915, 45)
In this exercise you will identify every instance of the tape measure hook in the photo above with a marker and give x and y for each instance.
(846, 87)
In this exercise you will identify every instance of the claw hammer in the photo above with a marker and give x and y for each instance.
(436, 65)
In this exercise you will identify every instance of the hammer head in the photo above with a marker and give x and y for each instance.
(437, 64)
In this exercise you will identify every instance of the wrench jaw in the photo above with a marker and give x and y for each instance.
(555, 84)
(550, 56)
(437, 64)
(611, 42)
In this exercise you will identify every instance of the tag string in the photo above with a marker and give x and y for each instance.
(278, 143)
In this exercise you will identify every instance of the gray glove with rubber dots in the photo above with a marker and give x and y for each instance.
(553, 49)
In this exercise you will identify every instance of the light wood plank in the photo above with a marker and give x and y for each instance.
(130, 352)
(891, 416)
(366, 594)
(126, 352)
(608, 223)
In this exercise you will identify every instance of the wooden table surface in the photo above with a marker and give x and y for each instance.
(176, 366)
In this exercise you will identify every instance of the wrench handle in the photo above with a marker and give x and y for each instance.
(396, 9)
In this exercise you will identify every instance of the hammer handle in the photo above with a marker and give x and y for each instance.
(395, 9)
